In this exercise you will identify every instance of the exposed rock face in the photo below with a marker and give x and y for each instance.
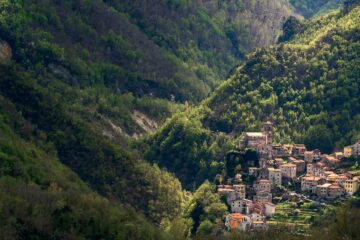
(5, 52)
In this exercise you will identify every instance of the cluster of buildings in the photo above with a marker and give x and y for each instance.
(246, 214)
(324, 183)
(279, 164)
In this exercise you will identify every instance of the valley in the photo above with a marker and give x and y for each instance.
(177, 119)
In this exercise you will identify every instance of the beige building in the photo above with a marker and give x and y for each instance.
(347, 151)
(351, 186)
(288, 170)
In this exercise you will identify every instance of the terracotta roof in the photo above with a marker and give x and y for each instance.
(236, 216)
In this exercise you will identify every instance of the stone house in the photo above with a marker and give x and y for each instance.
(288, 170)
(300, 165)
(241, 206)
(263, 197)
(274, 177)
(315, 169)
(229, 193)
(299, 150)
(262, 185)
(323, 190)
(335, 191)
(280, 151)
(310, 183)
(240, 190)
(309, 156)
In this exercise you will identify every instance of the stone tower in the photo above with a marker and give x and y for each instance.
(268, 132)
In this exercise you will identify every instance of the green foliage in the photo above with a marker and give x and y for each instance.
(158, 48)
(319, 137)
(291, 27)
(185, 147)
(40, 198)
(207, 211)
(309, 8)
(116, 173)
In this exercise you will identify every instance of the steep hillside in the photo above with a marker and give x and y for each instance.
(309, 87)
(168, 49)
(309, 8)
(312, 81)
(40, 198)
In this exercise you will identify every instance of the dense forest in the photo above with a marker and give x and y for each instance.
(111, 127)
(309, 8)
(169, 49)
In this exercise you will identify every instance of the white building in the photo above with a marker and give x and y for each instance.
(269, 209)
(274, 177)
(241, 206)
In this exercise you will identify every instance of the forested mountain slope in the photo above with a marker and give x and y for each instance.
(40, 198)
(168, 49)
(309, 88)
(309, 8)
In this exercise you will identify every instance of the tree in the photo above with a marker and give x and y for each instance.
(319, 137)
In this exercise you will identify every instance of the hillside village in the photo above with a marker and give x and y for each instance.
(307, 174)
